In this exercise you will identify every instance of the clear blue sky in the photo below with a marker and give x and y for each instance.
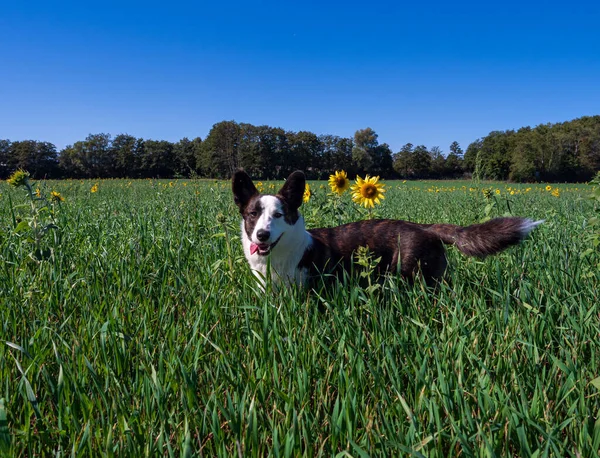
(421, 72)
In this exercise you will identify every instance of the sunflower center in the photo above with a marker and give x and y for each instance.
(369, 191)
(340, 182)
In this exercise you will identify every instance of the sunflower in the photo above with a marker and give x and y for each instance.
(548, 188)
(94, 188)
(367, 192)
(19, 178)
(556, 192)
(56, 197)
(307, 193)
(339, 182)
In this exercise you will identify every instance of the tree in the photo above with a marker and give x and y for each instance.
(456, 149)
(471, 155)
(454, 161)
(197, 147)
(413, 162)
(67, 162)
(5, 168)
(342, 156)
(382, 161)
(184, 157)
(98, 156)
(525, 156)
(219, 152)
(368, 156)
(420, 162)
(496, 157)
(124, 155)
(38, 158)
(305, 153)
(365, 141)
(92, 158)
(402, 161)
(272, 152)
(438, 162)
(336, 155)
(157, 159)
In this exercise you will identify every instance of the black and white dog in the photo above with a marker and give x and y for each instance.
(272, 225)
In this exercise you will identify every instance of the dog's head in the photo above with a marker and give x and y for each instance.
(266, 218)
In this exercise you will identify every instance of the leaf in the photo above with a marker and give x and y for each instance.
(22, 227)
(28, 389)
(358, 449)
(406, 408)
(587, 252)
(423, 443)
(596, 383)
(18, 347)
(4, 432)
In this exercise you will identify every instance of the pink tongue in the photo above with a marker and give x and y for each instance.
(253, 248)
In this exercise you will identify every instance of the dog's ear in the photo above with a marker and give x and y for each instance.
(293, 190)
(243, 189)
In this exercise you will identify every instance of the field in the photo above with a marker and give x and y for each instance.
(130, 325)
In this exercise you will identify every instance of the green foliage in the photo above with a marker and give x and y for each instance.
(31, 228)
(568, 151)
(142, 336)
(419, 162)
(365, 259)
(494, 201)
(593, 222)
(39, 158)
(370, 157)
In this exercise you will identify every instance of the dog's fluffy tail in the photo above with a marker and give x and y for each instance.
(487, 238)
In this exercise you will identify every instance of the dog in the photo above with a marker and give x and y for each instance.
(273, 234)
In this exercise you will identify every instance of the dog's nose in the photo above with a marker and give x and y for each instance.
(263, 235)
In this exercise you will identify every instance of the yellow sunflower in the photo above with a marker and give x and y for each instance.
(548, 188)
(367, 192)
(19, 178)
(56, 197)
(339, 182)
(94, 188)
(307, 193)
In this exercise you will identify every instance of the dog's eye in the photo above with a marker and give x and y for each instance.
(253, 214)
(277, 215)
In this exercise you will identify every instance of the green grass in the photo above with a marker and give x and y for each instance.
(137, 335)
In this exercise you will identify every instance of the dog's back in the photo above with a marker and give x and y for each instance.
(411, 247)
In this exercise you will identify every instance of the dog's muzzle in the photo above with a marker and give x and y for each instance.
(263, 249)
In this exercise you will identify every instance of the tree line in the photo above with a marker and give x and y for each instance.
(568, 151)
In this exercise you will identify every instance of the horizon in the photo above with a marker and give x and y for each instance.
(422, 74)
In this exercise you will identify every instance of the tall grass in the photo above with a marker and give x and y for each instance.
(139, 336)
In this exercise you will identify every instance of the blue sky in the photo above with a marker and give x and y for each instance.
(421, 72)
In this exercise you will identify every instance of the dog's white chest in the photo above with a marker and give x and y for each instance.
(282, 263)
